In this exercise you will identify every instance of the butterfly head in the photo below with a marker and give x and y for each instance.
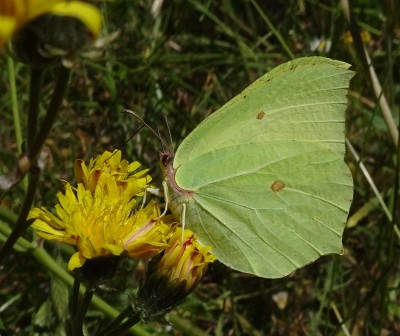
(166, 163)
(166, 158)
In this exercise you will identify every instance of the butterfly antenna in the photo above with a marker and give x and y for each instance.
(126, 141)
(145, 124)
(112, 154)
(134, 134)
(169, 133)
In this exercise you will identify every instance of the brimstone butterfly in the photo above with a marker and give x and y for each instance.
(263, 179)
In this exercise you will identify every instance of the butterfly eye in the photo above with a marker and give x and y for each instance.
(166, 158)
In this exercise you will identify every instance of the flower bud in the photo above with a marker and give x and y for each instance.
(171, 276)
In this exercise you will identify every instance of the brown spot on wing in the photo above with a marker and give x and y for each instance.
(277, 186)
(260, 115)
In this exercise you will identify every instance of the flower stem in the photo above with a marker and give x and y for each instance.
(21, 223)
(14, 102)
(135, 318)
(15, 109)
(73, 308)
(35, 147)
(79, 316)
(55, 103)
(34, 101)
(115, 322)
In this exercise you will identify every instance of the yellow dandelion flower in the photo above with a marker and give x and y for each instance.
(105, 219)
(14, 14)
(102, 224)
(111, 164)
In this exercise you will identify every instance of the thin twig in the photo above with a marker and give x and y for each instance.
(340, 320)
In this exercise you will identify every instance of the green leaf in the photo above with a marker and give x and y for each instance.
(44, 316)
(59, 296)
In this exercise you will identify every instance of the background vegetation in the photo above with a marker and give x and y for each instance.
(184, 59)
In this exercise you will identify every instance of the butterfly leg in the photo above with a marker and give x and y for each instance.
(156, 191)
(183, 219)
(166, 198)
(144, 199)
(153, 191)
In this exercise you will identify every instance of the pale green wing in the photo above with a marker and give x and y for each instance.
(302, 100)
(268, 208)
(268, 188)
